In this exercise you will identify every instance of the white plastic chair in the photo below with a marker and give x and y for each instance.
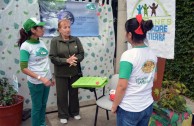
(104, 101)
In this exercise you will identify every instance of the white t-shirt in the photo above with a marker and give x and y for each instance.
(36, 54)
(138, 94)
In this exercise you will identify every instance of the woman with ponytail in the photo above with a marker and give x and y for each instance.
(133, 99)
(34, 62)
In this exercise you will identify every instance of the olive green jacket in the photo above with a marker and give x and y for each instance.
(61, 50)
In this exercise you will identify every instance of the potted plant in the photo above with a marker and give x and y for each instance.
(171, 108)
(11, 104)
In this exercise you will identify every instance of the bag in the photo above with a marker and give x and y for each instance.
(112, 94)
(80, 74)
(15, 83)
(26, 114)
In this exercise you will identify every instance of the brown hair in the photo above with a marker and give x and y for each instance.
(63, 21)
(24, 36)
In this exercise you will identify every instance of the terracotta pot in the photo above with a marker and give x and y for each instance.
(12, 115)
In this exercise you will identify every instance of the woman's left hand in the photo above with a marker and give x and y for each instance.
(46, 81)
(113, 109)
(72, 60)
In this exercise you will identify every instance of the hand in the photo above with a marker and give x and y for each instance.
(53, 82)
(46, 81)
(113, 109)
(73, 64)
(72, 60)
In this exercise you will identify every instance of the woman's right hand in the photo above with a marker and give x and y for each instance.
(72, 60)
(46, 81)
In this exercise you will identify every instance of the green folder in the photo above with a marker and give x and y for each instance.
(90, 82)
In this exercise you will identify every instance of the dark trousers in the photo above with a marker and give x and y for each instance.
(67, 106)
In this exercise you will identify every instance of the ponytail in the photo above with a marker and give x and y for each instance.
(147, 25)
(23, 36)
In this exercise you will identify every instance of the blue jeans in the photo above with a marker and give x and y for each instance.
(126, 118)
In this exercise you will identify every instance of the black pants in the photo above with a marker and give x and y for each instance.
(67, 106)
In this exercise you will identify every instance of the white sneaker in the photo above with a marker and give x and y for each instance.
(64, 121)
(77, 117)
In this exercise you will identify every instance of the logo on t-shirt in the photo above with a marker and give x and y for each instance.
(148, 67)
(41, 52)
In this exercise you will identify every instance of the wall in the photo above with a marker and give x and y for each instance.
(99, 51)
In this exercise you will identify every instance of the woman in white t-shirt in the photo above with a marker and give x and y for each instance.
(133, 98)
(34, 62)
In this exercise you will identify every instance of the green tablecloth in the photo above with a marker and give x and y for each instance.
(90, 82)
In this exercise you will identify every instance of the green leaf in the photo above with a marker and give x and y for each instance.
(85, 54)
(95, 68)
(47, 41)
(10, 36)
(102, 71)
(16, 61)
(80, 98)
(9, 51)
(111, 44)
(93, 54)
(27, 101)
(109, 9)
(16, 26)
(89, 44)
(18, 71)
(1, 43)
(10, 13)
(99, 37)
(99, 9)
(156, 92)
(105, 20)
(101, 59)
(15, 46)
(2, 72)
(88, 96)
(30, 1)
(6, 1)
(25, 12)
(107, 50)
(111, 32)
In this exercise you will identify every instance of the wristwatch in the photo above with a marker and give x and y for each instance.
(38, 77)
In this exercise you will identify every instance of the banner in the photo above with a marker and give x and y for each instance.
(83, 17)
(162, 12)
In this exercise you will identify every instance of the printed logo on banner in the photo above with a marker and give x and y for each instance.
(162, 13)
